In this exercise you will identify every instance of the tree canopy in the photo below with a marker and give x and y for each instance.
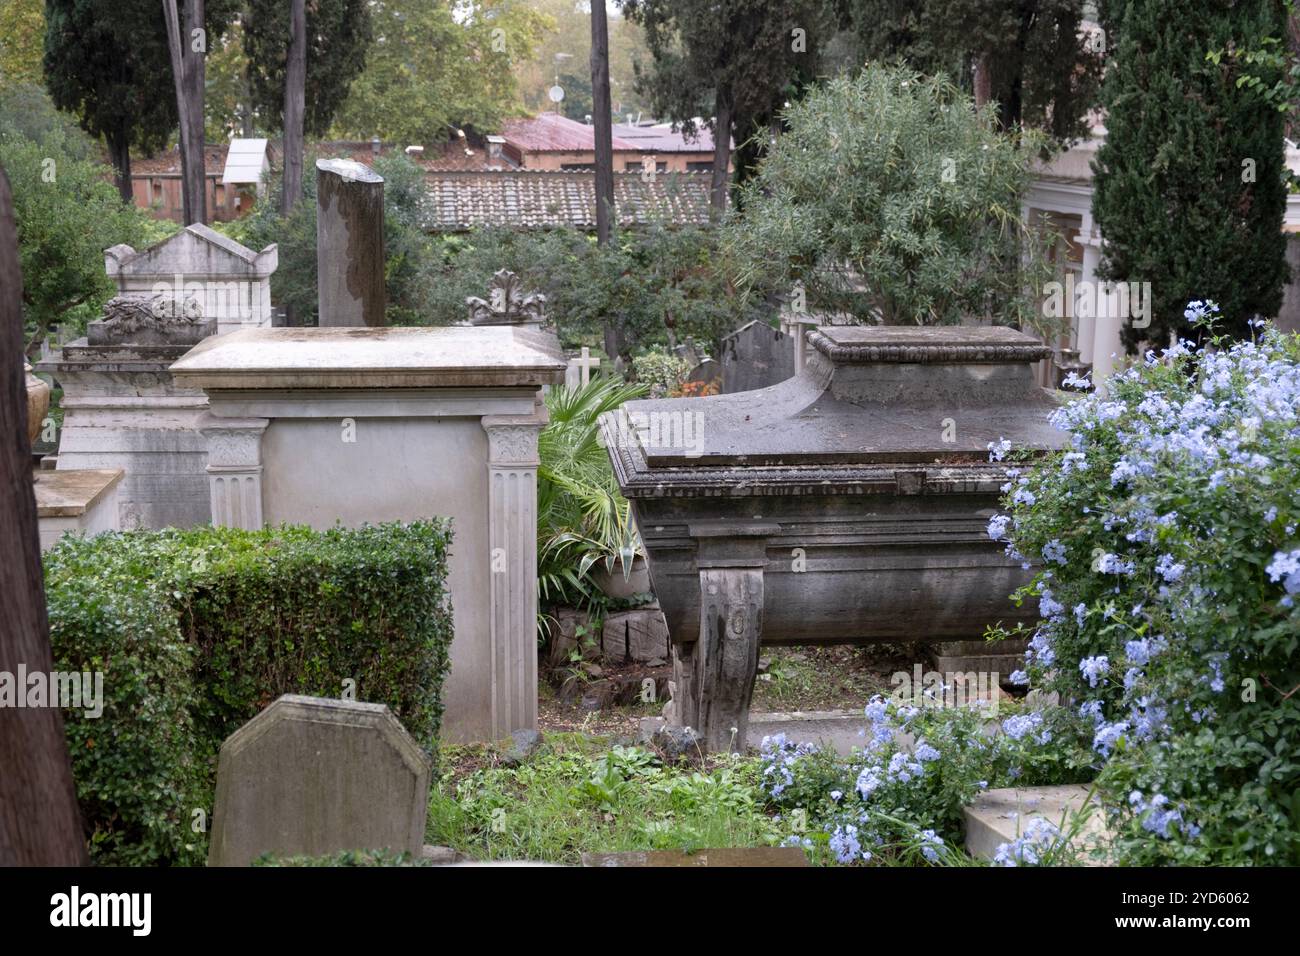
(435, 65)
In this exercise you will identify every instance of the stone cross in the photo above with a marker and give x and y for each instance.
(349, 244)
(312, 776)
(507, 304)
(578, 373)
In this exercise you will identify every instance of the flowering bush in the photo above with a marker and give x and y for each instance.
(900, 798)
(1167, 536)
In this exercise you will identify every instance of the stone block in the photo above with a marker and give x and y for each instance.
(1000, 816)
(638, 635)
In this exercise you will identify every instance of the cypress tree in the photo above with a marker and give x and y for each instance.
(1189, 190)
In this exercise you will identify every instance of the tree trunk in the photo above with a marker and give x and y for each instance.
(721, 151)
(295, 92)
(601, 117)
(119, 152)
(982, 80)
(40, 824)
(187, 78)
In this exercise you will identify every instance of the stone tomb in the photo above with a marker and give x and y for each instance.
(123, 411)
(325, 426)
(312, 776)
(230, 282)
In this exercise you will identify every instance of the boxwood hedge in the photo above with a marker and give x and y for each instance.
(197, 630)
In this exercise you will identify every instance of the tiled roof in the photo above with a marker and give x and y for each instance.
(169, 161)
(554, 133)
(665, 138)
(542, 198)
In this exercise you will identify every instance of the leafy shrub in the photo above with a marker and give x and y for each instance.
(662, 372)
(899, 799)
(650, 282)
(197, 631)
(890, 196)
(1167, 533)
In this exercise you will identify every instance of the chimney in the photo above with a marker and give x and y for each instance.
(374, 145)
(494, 144)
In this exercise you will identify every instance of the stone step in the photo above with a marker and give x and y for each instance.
(1000, 816)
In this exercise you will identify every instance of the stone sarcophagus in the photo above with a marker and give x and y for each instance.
(849, 503)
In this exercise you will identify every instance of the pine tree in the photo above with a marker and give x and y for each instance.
(1189, 192)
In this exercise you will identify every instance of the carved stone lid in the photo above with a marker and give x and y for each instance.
(869, 403)
(397, 357)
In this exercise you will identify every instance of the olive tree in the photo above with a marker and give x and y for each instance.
(890, 196)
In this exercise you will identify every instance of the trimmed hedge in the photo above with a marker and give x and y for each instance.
(197, 630)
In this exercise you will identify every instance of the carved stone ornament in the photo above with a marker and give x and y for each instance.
(507, 303)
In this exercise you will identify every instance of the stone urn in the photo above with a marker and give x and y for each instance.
(38, 403)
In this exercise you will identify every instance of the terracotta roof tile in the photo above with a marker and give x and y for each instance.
(543, 198)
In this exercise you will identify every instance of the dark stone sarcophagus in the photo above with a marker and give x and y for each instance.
(849, 503)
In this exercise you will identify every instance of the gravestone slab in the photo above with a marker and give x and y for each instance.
(707, 372)
(312, 776)
(755, 356)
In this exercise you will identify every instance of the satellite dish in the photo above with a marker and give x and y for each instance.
(556, 93)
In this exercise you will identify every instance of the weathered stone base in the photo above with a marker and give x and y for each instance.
(1000, 816)
(983, 657)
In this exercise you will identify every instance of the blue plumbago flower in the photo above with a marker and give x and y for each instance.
(1158, 816)
(1019, 677)
(1080, 612)
(1107, 735)
(1054, 551)
(1199, 311)
(1091, 710)
(1018, 726)
(1040, 646)
(1075, 380)
(998, 449)
(1270, 515)
(998, 527)
(837, 795)
(930, 843)
(925, 753)
(844, 843)
(1285, 567)
(904, 768)
(1139, 651)
(1049, 606)
(1169, 569)
(779, 754)
(1132, 677)
(1027, 849)
(1094, 668)
(868, 782)
(1114, 564)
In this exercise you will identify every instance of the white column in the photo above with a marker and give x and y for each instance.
(235, 470)
(1087, 324)
(512, 574)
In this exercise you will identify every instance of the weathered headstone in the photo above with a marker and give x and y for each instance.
(755, 356)
(349, 244)
(508, 304)
(707, 372)
(311, 776)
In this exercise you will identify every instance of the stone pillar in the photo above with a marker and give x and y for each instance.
(512, 539)
(349, 244)
(235, 470)
(714, 677)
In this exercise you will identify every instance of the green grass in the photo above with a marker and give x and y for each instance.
(573, 798)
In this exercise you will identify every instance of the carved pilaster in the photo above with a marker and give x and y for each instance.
(512, 536)
(235, 470)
